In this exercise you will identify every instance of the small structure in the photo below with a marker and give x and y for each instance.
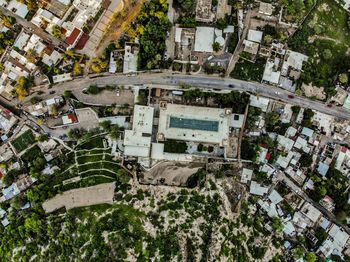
(246, 175)
(251, 47)
(259, 102)
(62, 78)
(130, 58)
(265, 8)
(255, 36)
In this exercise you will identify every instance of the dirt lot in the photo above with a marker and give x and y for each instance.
(107, 98)
(87, 196)
(173, 173)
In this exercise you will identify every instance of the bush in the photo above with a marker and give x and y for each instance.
(172, 146)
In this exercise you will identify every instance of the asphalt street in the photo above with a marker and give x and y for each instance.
(34, 29)
(200, 81)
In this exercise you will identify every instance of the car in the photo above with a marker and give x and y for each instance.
(52, 92)
(277, 93)
(230, 85)
(329, 105)
(290, 96)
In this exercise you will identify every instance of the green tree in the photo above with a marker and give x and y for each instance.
(216, 47)
(186, 5)
(305, 160)
(343, 78)
(277, 224)
(68, 94)
(296, 109)
(56, 31)
(311, 257)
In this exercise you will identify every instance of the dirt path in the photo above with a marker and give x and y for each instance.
(239, 47)
(119, 23)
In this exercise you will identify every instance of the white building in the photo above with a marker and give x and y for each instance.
(204, 39)
(191, 123)
(137, 142)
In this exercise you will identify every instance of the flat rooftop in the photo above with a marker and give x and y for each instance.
(191, 123)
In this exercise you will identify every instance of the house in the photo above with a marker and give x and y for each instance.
(7, 121)
(275, 197)
(257, 189)
(322, 169)
(259, 102)
(312, 213)
(250, 47)
(18, 8)
(255, 36)
(9, 192)
(130, 58)
(204, 39)
(246, 175)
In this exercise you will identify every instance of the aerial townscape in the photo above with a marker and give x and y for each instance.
(175, 130)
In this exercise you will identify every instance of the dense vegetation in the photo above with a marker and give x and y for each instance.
(153, 25)
(325, 38)
(246, 70)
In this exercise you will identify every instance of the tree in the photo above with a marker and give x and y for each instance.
(93, 90)
(216, 47)
(277, 224)
(31, 55)
(22, 86)
(298, 252)
(306, 160)
(67, 94)
(8, 21)
(98, 65)
(35, 99)
(267, 39)
(311, 257)
(296, 109)
(54, 110)
(77, 71)
(343, 78)
(10, 177)
(221, 23)
(105, 125)
(40, 121)
(42, 138)
(33, 224)
(56, 31)
(114, 132)
(186, 5)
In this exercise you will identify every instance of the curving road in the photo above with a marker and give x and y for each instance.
(200, 81)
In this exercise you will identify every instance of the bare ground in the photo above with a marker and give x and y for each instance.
(119, 24)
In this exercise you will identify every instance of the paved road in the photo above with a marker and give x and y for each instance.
(33, 28)
(201, 81)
